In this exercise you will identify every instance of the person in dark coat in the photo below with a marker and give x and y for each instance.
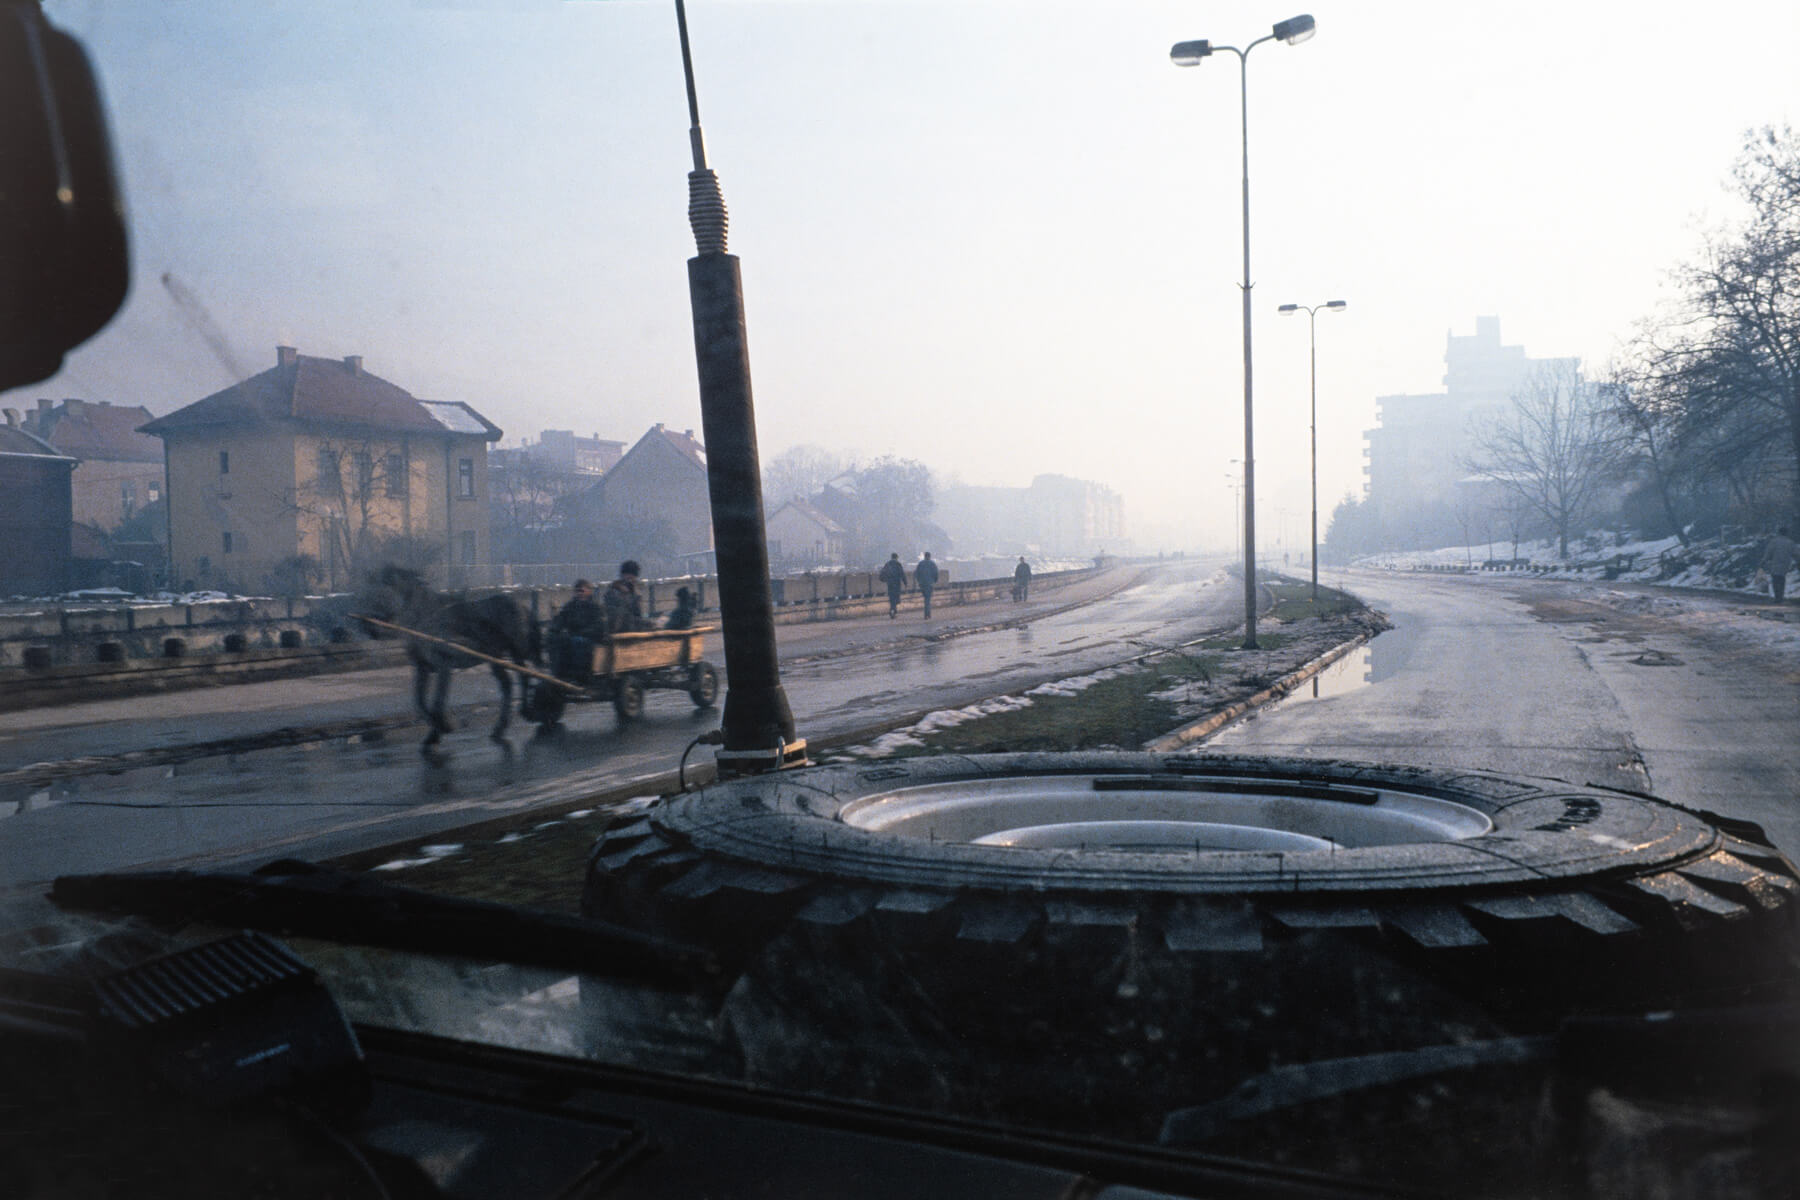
(1778, 559)
(926, 576)
(1021, 579)
(577, 626)
(624, 608)
(683, 616)
(894, 575)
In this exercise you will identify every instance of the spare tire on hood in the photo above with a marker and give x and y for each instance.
(1178, 924)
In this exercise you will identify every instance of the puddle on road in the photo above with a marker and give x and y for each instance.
(233, 777)
(1369, 663)
(1348, 674)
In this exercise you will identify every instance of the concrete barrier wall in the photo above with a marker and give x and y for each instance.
(42, 639)
(76, 640)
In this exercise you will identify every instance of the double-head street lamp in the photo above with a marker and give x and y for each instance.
(1293, 31)
(1312, 335)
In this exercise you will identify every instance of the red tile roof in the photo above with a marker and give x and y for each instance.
(684, 442)
(99, 431)
(313, 391)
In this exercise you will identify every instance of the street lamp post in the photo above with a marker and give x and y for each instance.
(1312, 337)
(1188, 54)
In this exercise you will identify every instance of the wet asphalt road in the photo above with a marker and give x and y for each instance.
(1693, 697)
(335, 795)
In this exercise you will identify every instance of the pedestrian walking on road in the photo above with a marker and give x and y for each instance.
(926, 576)
(1021, 579)
(1778, 559)
(894, 575)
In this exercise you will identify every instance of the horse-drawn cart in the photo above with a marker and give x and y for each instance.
(621, 669)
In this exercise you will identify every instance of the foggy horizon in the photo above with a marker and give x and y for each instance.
(1001, 240)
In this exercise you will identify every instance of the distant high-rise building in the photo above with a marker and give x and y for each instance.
(1418, 451)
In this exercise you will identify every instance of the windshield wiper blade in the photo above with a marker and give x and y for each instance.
(304, 900)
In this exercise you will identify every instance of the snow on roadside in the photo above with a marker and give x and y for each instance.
(1712, 567)
(948, 718)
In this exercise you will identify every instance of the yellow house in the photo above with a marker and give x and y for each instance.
(317, 469)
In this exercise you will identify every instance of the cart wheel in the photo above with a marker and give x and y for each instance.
(542, 703)
(628, 699)
(703, 685)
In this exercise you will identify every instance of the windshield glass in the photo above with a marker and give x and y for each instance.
(1216, 595)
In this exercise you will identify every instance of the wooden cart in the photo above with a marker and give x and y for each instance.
(624, 667)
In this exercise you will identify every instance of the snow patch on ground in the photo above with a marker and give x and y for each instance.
(947, 718)
(1076, 685)
(427, 855)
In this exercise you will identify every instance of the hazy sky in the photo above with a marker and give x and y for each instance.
(1002, 238)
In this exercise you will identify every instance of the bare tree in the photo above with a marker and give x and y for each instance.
(1648, 444)
(356, 501)
(1547, 448)
(893, 499)
(523, 495)
(1730, 360)
(798, 473)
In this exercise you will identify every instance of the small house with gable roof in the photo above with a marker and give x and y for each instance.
(316, 457)
(119, 471)
(652, 506)
(803, 538)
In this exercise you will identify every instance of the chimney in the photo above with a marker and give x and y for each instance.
(286, 356)
(44, 407)
(12, 418)
(354, 362)
(688, 434)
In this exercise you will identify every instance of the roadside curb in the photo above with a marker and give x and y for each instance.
(1207, 726)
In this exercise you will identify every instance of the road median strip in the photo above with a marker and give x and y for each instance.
(536, 852)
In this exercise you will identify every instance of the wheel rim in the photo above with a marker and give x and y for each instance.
(1082, 811)
(706, 685)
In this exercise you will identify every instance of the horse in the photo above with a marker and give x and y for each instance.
(497, 626)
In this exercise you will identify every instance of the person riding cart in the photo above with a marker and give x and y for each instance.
(574, 631)
(624, 607)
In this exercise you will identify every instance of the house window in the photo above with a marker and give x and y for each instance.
(364, 463)
(331, 472)
(395, 470)
(153, 493)
(224, 462)
(227, 546)
(465, 479)
(466, 541)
